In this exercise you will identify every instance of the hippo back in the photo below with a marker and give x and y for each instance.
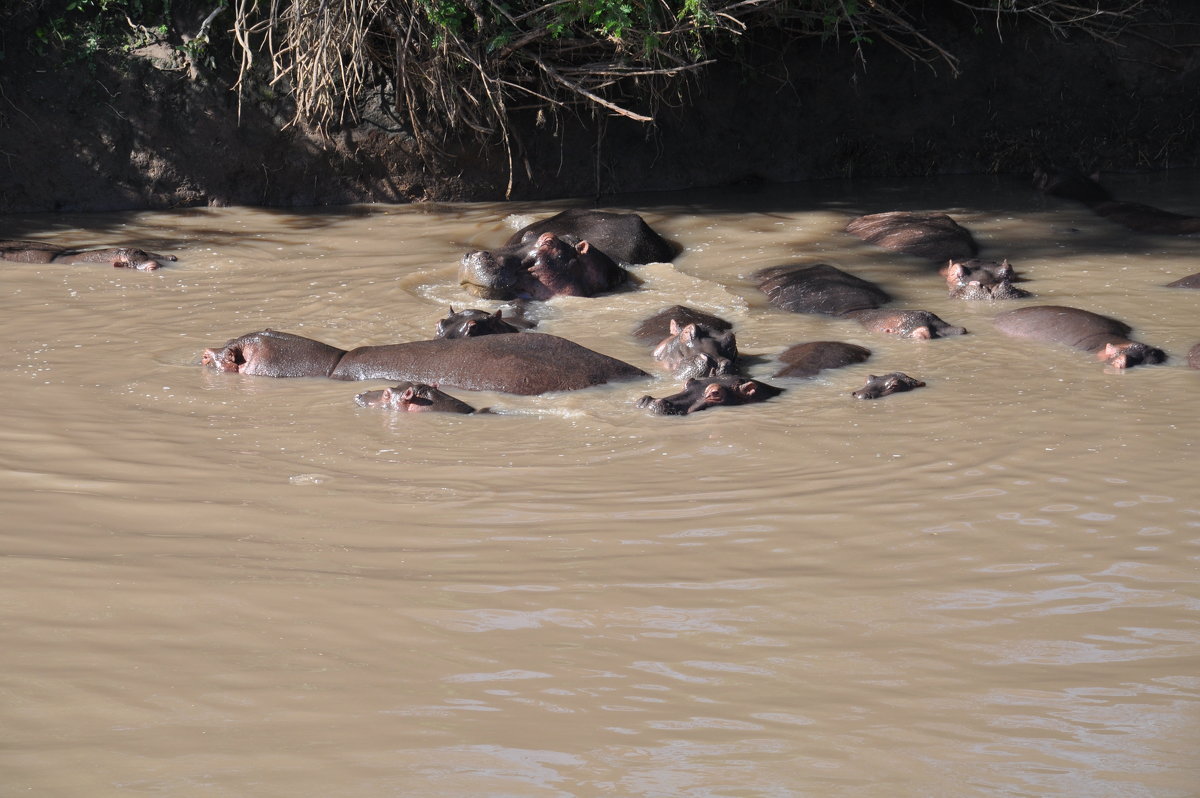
(528, 364)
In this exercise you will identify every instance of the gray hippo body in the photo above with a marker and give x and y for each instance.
(1107, 338)
(829, 291)
(542, 268)
(528, 364)
(120, 257)
(809, 359)
(1191, 281)
(926, 235)
(624, 237)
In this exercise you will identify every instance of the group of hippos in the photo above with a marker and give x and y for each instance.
(587, 252)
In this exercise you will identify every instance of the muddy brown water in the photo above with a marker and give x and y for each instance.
(216, 584)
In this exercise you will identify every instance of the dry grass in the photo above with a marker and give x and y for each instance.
(459, 66)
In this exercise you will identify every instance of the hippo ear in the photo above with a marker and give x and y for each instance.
(688, 334)
(748, 389)
(955, 269)
(409, 394)
(713, 392)
(583, 247)
(497, 315)
(451, 310)
(674, 327)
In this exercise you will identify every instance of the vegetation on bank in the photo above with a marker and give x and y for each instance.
(455, 67)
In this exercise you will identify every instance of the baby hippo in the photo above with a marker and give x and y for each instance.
(472, 322)
(981, 279)
(701, 394)
(879, 386)
(413, 397)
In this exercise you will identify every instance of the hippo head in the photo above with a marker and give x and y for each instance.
(540, 267)
(701, 394)
(1128, 355)
(981, 279)
(473, 322)
(413, 397)
(129, 258)
(880, 386)
(696, 350)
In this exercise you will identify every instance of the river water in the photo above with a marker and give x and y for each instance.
(223, 585)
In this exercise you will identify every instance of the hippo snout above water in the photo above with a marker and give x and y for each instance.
(119, 257)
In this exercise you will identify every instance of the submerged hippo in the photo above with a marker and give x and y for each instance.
(658, 326)
(1135, 216)
(624, 237)
(544, 267)
(697, 350)
(1191, 281)
(982, 279)
(120, 257)
(703, 393)
(413, 397)
(530, 363)
(927, 235)
(886, 385)
(471, 322)
(829, 291)
(1081, 329)
(809, 359)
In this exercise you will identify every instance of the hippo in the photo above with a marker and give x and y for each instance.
(1193, 357)
(529, 364)
(544, 267)
(624, 237)
(658, 326)
(1081, 329)
(696, 350)
(981, 279)
(809, 359)
(887, 384)
(1191, 281)
(829, 291)
(927, 235)
(120, 257)
(705, 392)
(472, 321)
(413, 397)
(1135, 216)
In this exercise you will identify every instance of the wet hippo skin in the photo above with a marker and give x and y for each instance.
(1107, 338)
(529, 363)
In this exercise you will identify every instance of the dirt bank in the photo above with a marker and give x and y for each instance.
(143, 133)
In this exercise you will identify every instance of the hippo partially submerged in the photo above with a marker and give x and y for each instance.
(829, 291)
(978, 279)
(471, 322)
(624, 237)
(927, 235)
(811, 358)
(544, 267)
(120, 257)
(530, 363)
(413, 397)
(703, 393)
(1135, 216)
(1107, 338)
(878, 386)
